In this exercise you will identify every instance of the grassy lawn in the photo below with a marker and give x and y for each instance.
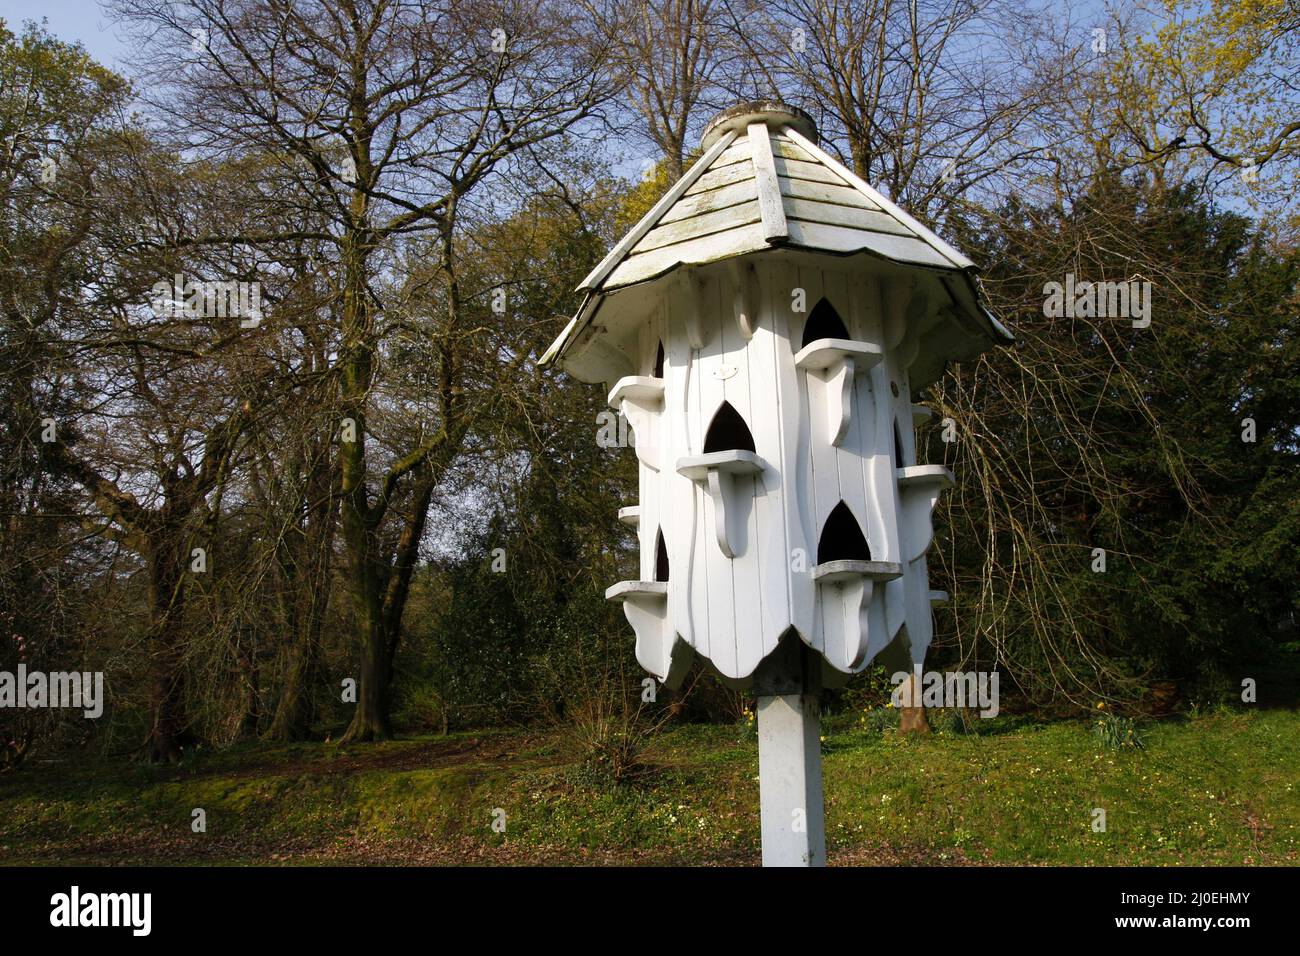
(1216, 790)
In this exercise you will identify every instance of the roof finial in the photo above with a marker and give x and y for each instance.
(774, 113)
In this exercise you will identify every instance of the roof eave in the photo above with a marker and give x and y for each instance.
(571, 331)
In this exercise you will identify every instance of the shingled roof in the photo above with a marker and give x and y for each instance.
(764, 183)
(757, 186)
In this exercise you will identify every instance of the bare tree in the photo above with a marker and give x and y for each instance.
(383, 119)
(928, 99)
(670, 55)
(112, 391)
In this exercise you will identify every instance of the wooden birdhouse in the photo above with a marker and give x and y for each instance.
(763, 329)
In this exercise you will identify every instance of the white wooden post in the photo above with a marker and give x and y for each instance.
(790, 758)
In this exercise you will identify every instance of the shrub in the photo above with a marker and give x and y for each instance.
(1118, 733)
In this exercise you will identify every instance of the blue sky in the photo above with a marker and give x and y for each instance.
(86, 21)
(82, 20)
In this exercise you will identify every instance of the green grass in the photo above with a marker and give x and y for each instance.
(1222, 789)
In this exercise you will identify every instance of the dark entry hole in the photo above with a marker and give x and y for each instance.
(824, 323)
(661, 557)
(842, 539)
(659, 362)
(727, 431)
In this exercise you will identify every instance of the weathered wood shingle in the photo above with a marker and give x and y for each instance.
(719, 214)
(763, 183)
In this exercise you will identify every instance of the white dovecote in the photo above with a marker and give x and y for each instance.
(763, 329)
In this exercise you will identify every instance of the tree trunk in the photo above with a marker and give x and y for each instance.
(294, 712)
(169, 728)
(252, 718)
(370, 722)
(307, 568)
(359, 519)
(408, 550)
(912, 720)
